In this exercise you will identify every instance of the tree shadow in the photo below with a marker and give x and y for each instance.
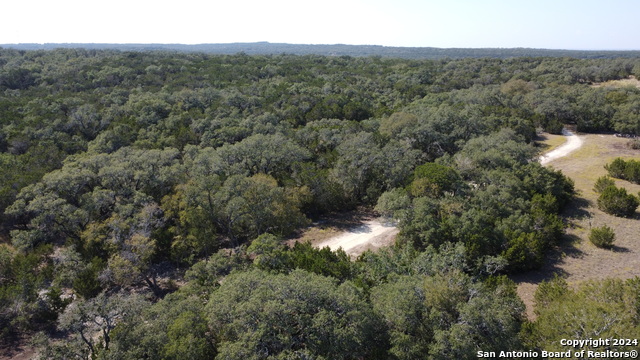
(537, 276)
(577, 209)
(353, 221)
(344, 220)
(620, 249)
(574, 212)
(362, 229)
(14, 345)
(565, 248)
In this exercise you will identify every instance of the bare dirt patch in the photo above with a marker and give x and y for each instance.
(576, 259)
(355, 232)
(370, 235)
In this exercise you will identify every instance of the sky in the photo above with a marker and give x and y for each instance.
(550, 24)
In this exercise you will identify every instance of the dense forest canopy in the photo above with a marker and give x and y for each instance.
(146, 197)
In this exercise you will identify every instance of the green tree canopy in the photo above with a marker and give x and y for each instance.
(261, 316)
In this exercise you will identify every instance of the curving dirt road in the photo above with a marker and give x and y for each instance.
(574, 142)
(575, 258)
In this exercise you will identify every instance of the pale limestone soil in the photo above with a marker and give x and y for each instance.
(369, 235)
(573, 143)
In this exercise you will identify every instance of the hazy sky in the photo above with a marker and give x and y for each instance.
(553, 24)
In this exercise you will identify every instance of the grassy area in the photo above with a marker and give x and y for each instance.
(577, 259)
(631, 81)
(586, 164)
(547, 142)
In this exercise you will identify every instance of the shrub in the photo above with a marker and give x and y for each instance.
(602, 237)
(616, 201)
(549, 291)
(634, 144)
(617, 168)
(433, 179)
(632, 171)
(554, 127)
(626, 170)
(602, 183)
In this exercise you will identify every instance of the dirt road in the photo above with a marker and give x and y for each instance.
(370, 234)
(573, 143)
(575, 258)
(373, 233)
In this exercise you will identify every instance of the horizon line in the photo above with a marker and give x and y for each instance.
(300, 44)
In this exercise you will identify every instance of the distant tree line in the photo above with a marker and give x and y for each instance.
(266, 48)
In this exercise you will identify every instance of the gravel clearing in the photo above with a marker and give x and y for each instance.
(370, 235)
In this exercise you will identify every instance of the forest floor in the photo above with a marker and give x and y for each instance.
(18, 349)
(576, 259)
(355, 232)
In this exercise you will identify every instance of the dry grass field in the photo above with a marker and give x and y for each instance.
(631, 81)
(576, 259)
